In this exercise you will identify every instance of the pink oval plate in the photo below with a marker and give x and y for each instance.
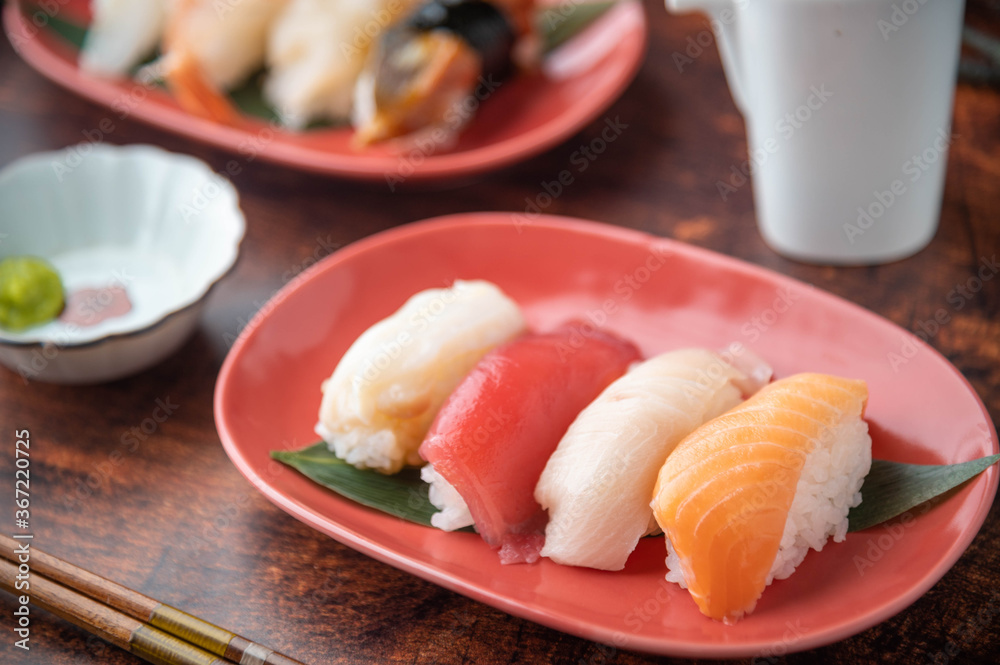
(662, 294)
(525, 116)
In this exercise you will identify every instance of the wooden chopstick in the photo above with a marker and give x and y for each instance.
(121, 615)
(109, 624)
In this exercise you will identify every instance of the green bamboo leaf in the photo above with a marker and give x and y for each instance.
(249, 99)
(71, 32)
(892, 488)
(403, 495)
(559, 24)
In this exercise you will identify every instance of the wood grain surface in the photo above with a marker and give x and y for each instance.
(171, 517)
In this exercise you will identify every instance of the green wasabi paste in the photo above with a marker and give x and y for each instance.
(31, 292)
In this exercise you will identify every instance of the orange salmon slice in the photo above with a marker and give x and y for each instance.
(723, 496)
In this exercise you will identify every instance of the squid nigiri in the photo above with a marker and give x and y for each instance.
(491, 439)
(389, 385)
(743, 498)
(425, 68)
(597, 484)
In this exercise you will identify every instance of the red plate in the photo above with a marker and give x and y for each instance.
(662, 294)
(524, 117)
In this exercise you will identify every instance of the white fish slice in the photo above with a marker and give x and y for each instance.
(598, 484)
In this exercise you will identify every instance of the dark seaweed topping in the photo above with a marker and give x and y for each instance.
(480, 24)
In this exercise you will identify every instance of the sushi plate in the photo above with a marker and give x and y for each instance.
(523, 117)
(663, 295)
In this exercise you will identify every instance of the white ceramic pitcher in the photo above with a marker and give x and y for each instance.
(847, 106)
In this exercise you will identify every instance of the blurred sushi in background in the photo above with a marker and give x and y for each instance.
(423, 69)
(121, 34)
(210, 48)
(316, 51)
(206, 48)
(393, 68)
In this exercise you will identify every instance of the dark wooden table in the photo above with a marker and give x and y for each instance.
(177, 521)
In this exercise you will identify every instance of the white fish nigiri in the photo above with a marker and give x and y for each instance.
(386, 390)
(598, 484)
(316, 51)
(121, 34)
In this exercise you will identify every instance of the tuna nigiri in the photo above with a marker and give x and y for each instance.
(597, 484)
(388, 387)
(743, 498)
(492, 438)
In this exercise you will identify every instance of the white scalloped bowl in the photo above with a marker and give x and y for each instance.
(163, 226)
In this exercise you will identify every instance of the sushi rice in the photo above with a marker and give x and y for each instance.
(830, 485)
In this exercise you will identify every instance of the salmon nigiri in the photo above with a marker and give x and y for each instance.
(493, 436)
(597, 484)
(743, 498)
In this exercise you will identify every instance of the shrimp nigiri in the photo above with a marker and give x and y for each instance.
(743, 498)
(389, 385)
(597, 484)
(210, 47)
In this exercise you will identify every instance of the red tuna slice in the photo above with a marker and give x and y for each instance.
(494, 434)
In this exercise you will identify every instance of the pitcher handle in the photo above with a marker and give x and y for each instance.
(724, 14)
